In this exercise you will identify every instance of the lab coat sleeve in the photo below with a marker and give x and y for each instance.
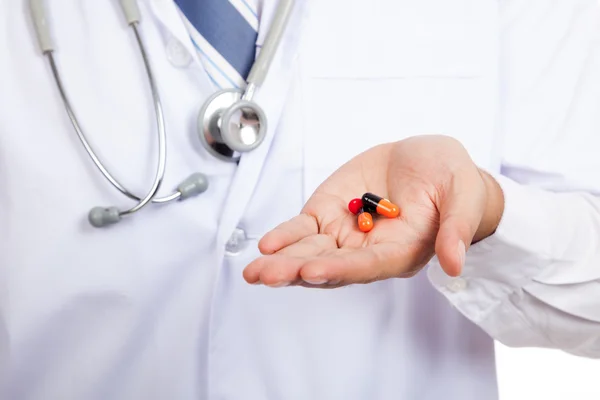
(536, 281)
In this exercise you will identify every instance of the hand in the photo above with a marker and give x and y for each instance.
(446, 204)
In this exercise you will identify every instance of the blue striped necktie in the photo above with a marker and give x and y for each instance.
(224, 33)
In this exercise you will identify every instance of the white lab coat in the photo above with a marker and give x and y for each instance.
(156, 307)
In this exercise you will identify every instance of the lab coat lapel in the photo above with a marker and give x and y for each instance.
(271, 96)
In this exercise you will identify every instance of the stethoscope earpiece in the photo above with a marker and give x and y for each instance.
(194, 185)
(100, 217)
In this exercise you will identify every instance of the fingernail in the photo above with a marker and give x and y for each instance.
(461, 254)
(280, 284)
(316, 281)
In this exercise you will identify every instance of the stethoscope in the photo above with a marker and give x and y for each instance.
(229, 122)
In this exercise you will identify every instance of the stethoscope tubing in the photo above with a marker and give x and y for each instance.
(197, 183)
(132, 16)
(261, 67)
(161, 164)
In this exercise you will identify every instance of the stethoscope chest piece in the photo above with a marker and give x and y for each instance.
(229, 125)
(230, 122)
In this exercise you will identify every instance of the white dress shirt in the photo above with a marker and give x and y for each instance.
(156, 308)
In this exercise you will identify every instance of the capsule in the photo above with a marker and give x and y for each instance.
(365, 221)
(355, 206)
(373, 203)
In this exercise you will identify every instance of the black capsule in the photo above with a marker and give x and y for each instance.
(370, 202)
(379, 205)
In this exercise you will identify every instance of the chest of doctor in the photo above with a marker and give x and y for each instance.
(167, 281)
(347, 76)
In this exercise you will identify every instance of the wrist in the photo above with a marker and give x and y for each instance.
(494, 208)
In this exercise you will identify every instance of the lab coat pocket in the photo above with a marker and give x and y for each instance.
(344, 118)
(399, 38)
(381, 71)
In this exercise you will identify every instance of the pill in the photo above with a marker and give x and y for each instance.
(373, 203)
(355, 205)
(365, 221)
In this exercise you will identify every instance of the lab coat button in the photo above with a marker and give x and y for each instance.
(457, 285)
(178, 54)
(236, 242)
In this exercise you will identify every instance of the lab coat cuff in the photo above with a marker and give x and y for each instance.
(506, 261)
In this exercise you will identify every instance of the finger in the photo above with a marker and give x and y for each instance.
(461, 210)
(288, 233)
(282, 269)
(365, 265)
(275, 270)
(338, 284)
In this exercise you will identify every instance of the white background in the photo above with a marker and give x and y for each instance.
(537, 374)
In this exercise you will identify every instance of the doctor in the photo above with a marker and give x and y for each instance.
(105, 297)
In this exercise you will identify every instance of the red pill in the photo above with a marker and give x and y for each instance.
(355, 206)
(365, 221)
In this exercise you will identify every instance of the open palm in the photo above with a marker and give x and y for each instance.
(432, 180)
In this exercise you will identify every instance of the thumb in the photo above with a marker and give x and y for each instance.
(461, 210)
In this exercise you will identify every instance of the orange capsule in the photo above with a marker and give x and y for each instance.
(365, 221)
(381, 206)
